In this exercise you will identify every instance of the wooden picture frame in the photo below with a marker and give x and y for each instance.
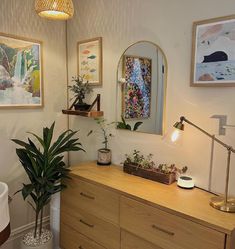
(21, 72)
(213, 52)
(90, 61)
(142, 108)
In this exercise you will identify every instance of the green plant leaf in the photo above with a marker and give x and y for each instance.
(137, 125)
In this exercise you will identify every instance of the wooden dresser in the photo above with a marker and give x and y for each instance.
(105, 208)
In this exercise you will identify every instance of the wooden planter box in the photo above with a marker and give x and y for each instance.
(149, 174)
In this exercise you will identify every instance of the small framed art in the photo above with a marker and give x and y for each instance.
(213, 52)
(20, 72)
(90, 60)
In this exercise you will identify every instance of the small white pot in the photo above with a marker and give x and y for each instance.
(104, 157)
(45, 243)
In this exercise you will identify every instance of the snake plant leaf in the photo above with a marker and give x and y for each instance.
(137, 125)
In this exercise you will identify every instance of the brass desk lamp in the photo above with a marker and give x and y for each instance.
(222, 203)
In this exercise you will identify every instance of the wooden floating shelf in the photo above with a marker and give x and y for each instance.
(90, 114)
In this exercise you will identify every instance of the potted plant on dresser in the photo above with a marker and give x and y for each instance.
(79, 90)
(45, 169)
(143, 166)
(104, 154)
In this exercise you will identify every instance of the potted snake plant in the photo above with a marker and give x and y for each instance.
(45, 169)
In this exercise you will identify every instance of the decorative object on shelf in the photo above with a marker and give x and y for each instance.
(141, 87)
(45, 169)
(90, 60)
(186, 182)
(222, 203)
(55, 9)
(79, 90)
(123, 125)
(104, 154)
(139, 165)
(213, 52)
(5, 229)
(89, 112)
(20, 72)
(137, 88)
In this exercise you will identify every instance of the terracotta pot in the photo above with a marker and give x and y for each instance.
(104, 157)
(47, 245)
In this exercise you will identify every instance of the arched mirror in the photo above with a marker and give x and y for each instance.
(141, 88)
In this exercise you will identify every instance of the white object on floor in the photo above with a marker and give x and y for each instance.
(4, 208)
(55, 219)
(185, 182)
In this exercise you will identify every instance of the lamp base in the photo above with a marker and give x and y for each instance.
(218, 202)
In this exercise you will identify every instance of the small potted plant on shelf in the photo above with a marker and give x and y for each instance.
(45, 169)
(139, 165)
(80, 89)
(104, 154)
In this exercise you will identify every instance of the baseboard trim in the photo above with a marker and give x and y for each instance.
(20, 231)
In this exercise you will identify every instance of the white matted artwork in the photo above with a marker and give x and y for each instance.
(213, 52)
(90, 60)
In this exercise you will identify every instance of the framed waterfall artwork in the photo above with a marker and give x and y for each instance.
(90, 60)
(213, 52)
(20, 72)
(136, 91)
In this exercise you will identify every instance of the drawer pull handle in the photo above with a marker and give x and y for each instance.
(87, 196)
(163, 230)
(87, 224)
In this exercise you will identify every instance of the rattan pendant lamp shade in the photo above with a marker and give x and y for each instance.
(55, 9)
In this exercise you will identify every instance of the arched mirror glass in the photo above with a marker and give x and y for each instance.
(141, 88)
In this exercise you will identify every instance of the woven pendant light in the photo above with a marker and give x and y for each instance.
(55, 9)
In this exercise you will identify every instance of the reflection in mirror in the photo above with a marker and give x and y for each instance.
(141, 89)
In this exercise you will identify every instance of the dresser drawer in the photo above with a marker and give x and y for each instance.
(70, 239)
(104, 233)
(130, 241)
(166, 230)
(92, 199)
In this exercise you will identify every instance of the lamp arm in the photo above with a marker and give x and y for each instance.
(228, 147)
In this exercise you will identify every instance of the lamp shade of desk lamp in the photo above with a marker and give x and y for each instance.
(55, 9)
(222, 203)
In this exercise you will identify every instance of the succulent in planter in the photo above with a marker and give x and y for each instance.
(80, 89)
(139, 160)
(45, 168)
(143, 166)
(104, 154)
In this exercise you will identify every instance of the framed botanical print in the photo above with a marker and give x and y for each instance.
(20, 72)
(213, 52)
(137, 87)
(90, 60)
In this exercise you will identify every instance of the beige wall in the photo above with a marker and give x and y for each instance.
(169, 24)
(18, 17)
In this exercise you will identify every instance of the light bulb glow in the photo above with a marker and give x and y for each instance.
(175, 135)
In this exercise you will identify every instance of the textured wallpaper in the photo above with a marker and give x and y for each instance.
(169, 24)
(17, 17)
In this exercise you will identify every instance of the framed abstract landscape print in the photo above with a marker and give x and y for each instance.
(213, 52)
(90, 60)
(20, 72)
(137, 87)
